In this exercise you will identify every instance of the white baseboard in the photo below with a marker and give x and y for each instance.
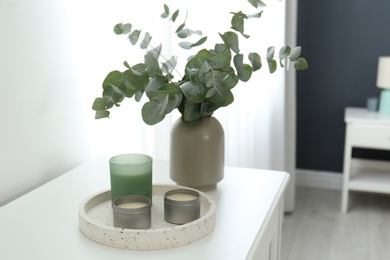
(319, 179)
(334, 180)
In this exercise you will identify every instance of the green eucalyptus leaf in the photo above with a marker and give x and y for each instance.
(99, 104)
(175, 15)
(170, 89)
(134, 82)
(283, 54)
(126, 64)
(113, 94)
(192, 74)
(113, 78)
(150, 113)
(270, 53)
(146, 41)
(181, 27)
(257, 3)
(197, 32)
(169, 65)
(261, 3)
(253, 2)
(166, 12)
(210, 83)
(138, 96)
(194, 92)
(272, 66)
(121, 28)
(238, 21)
(216, 79)
(221, 58)
(231, 79)
(255, 60)
(198, 60)
(184, 33)
(191, 112)
(244, 71)
(185, 45)
(206, 67)
(162, 102)
(231, 40)
(135, 72)
(152, 65)
(173, 102)
(211, 92)
(118, 29)
(200, 42)
(301, 64)
(164, 87)
(166, 8)
(102, 114)
(139, 69)
(245, 35)
(295, 53)
(165, 68)
(221, 48)
(155, 83)
(221, 98)
(256, 15)
(156, 51)
(134, 36)
(213, 79)
(238, 60)
(221, 61)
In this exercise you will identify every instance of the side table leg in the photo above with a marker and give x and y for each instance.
(344, 200)
(346, 173)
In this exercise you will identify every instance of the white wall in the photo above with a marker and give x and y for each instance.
(42, 129)
(54, 56)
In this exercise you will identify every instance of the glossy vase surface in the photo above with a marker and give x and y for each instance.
(197, 154)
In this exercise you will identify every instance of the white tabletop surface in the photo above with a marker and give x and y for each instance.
(43, 224)
(363, 115)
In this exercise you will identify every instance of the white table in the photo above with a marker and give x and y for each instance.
(364, 129)
(43, 224)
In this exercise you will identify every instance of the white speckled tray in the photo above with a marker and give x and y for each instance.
(96, 223)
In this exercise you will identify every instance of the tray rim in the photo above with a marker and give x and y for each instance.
(208, 216)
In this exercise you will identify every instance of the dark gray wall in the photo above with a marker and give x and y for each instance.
(342, 41)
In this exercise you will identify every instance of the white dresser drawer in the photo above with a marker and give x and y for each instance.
(369, 136)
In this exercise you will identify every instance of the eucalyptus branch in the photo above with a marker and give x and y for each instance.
(208, 79)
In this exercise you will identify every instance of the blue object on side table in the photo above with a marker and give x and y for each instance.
(384, 103)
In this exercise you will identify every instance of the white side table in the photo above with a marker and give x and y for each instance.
(371, 130)
(44, 224)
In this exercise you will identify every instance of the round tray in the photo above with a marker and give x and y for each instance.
(96, 223)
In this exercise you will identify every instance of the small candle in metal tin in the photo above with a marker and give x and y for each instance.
(181, 206)
(132, 212)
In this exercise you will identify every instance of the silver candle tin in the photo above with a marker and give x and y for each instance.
(132, 218)
(181, 212)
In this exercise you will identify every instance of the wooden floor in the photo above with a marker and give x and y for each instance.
(317, 230)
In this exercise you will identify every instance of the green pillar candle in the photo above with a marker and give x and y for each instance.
(131, 174)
